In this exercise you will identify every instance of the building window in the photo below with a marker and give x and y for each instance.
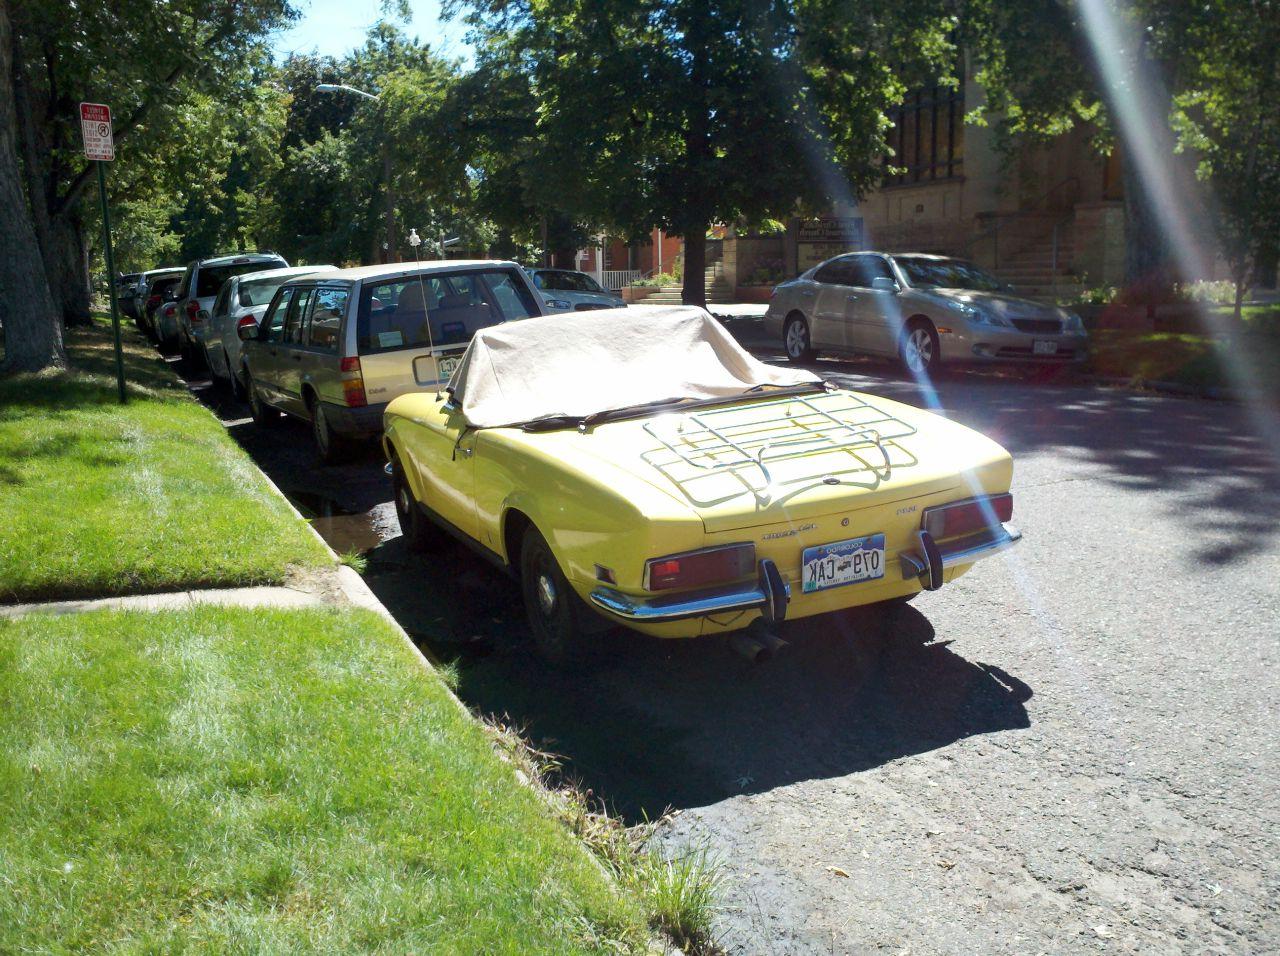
(927, 136)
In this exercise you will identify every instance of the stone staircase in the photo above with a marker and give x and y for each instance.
(718, 289)
(1032, 272)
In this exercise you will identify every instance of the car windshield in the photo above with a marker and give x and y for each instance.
(212, 277)
(947, 274)
(566, 282)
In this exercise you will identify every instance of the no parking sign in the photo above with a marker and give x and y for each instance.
(95, 127)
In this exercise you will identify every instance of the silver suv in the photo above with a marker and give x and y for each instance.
(200, 286)
(335, 347)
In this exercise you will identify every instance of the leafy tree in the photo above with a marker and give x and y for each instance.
(1227, 116)
(1203, 76)
(682, 113)
(132, 54)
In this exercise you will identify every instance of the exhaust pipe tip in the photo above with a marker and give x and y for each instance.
(747, 646)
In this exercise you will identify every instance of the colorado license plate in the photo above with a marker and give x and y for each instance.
(1044, 347)
(844, 562)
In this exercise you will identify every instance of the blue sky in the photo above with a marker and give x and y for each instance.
(335, 27)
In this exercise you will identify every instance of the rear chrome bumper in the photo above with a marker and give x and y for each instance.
(770, 594)
(928, 563)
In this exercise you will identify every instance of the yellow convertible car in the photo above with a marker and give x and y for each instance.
(637, 467)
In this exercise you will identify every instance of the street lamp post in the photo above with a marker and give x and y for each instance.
(388, 198)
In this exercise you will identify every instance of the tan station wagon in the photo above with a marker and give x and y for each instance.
(333, 348)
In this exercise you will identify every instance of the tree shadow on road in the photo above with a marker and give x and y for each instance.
(651, 724)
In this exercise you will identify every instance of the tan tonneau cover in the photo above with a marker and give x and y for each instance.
(580, 363)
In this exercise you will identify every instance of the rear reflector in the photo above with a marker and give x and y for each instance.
(193, 307)
(352, 382)
(964, 517)
(697, 568)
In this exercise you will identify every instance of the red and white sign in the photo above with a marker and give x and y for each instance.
(95, 126)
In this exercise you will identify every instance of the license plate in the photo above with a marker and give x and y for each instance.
(447, 364)
(1044, 347)
(844, 562)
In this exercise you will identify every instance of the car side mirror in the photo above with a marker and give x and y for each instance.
(884, 284)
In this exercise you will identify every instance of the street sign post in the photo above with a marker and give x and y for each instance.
(99, 148)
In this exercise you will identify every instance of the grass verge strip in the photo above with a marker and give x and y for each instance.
(224, 780)
(104, 499)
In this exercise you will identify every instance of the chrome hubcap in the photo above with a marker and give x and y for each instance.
(546, 593)
(795, 339)
(919, 350)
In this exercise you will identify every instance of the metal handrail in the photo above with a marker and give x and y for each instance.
(994, 230)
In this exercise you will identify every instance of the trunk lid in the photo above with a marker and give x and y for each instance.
(821, 458)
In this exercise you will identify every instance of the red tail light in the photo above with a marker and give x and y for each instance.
(247, 322)
(153, 301)
(963, 517)
(352, 382)
(193, 310)
(696, 568)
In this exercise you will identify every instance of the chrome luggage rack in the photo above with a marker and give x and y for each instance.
(763, 432)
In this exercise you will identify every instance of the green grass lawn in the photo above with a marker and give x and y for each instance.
(223, 780)
(1194, 359)
(102, 499)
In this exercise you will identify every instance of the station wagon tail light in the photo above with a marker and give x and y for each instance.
(697, 568)
(352, 382)
(193, 311)
(964, 517)
(153, 301)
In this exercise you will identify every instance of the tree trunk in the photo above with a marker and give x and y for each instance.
(68, 269)
(32, 331)
(1146, 268)
(694, 291)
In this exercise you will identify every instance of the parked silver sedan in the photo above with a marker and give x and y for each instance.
(924, 309)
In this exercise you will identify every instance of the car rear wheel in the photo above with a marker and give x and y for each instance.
(550, 603)
(330, 446)
(263, 414)
(419, 533)
(795, 338)
(919, 351)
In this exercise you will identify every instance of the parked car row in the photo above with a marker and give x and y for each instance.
(631, 467)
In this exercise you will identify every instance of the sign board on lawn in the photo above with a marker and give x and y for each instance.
(95, 127)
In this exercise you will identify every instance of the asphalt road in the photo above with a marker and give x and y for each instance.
(1071, 749)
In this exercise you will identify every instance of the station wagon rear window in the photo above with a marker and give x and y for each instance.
(438, 309)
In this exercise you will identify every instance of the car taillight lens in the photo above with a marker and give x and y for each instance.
(153, 301)
(352, 382)
(193, 310)
(963, 517)
(248, 322)
(696, 568)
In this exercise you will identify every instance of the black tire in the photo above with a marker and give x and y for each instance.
(331, 447)
(419, 533)
(919, 350)
(264, 416)
(795, 340)
(550, 603)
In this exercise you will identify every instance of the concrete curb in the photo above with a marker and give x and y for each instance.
(1169, 388)
(269, 596)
